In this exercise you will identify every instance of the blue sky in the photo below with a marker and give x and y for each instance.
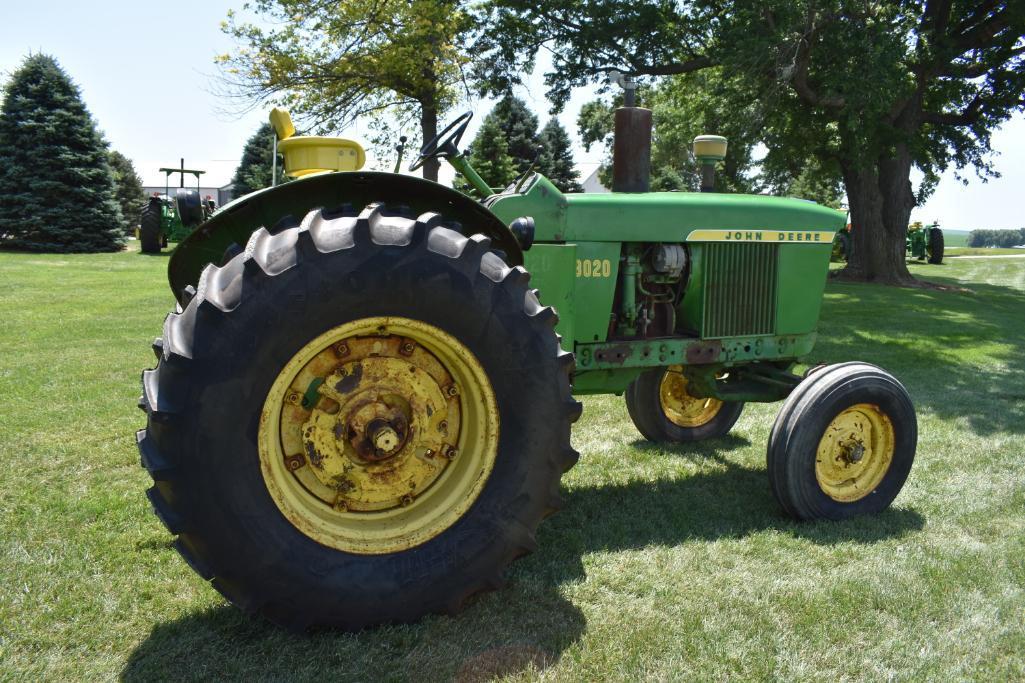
(146, 72)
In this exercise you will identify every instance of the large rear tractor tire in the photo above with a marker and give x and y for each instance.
(150, 235)
(843, 443)
(936, 246)
(664, 412)
(360, 420)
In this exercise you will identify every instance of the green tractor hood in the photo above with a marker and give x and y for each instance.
(663, 216)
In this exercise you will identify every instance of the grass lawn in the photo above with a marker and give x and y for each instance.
(982, 251)
(667, 563)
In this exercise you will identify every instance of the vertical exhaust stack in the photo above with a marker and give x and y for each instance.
(709, 150)
(631, 149)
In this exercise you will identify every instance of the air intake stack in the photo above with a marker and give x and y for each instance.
(631, 149)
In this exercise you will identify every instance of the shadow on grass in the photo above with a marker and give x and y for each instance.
(528, 624)
(730, 501)
(931, 341)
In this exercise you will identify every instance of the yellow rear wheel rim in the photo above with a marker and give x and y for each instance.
(679, 406)
(378, 435)
(855, 453)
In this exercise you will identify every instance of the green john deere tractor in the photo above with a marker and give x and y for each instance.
(923, 242)
(361, 407)
(166, 220)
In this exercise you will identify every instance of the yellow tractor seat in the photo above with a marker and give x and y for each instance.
(307, 154)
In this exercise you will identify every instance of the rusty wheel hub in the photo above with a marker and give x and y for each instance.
(376, 425)
(377, 431)
(360, 433)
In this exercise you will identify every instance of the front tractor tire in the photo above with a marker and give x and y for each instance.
(842, 444)
(664, 411)
(150, 235)
(359, 420)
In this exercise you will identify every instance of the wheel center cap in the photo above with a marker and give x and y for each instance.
(376, 430)
(380, 422)
(852, 451)
(385, 436)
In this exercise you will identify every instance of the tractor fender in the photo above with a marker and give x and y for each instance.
(283, 206)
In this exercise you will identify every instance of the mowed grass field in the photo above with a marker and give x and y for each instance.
(668, 562)
(983, 251)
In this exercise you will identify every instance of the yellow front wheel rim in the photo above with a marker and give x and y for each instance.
(378, 435)
(679, 406)
(855, 453)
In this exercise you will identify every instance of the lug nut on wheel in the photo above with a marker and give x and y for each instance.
(855, 453)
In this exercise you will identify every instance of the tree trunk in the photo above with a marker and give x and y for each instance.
(879, 223)
(428, 129)
(881, 200)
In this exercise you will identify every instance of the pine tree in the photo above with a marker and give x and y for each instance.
(255, 169)
(56, 186)
(489, 156)
(131, 198)
(556, 162)
(519, 126)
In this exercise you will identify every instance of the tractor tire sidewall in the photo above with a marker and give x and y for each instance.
(794, 441)
(257, 554)
(189, 206)
(150, 235)
(936, 246)
(645, 408)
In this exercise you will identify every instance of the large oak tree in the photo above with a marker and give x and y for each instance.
(868, 90)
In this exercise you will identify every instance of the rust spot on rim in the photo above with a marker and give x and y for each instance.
(350, 381)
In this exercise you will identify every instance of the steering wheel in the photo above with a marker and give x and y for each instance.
(443, 145)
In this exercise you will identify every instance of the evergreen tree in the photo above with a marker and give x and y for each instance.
(489, 156)
(131, 198)
(255, 169)
(56, 186)
(556, 162)
(519, 127)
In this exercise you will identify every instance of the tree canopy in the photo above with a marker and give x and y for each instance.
(997, 238)
(131, 197)
(864, 91)
(56, 185)
(682, 108)
(332, 62)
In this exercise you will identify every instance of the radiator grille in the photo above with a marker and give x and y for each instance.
(740, 289)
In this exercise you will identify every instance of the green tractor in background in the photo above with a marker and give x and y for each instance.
(925, 242)
(166, 220)
(362, 404)
(922, 243)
